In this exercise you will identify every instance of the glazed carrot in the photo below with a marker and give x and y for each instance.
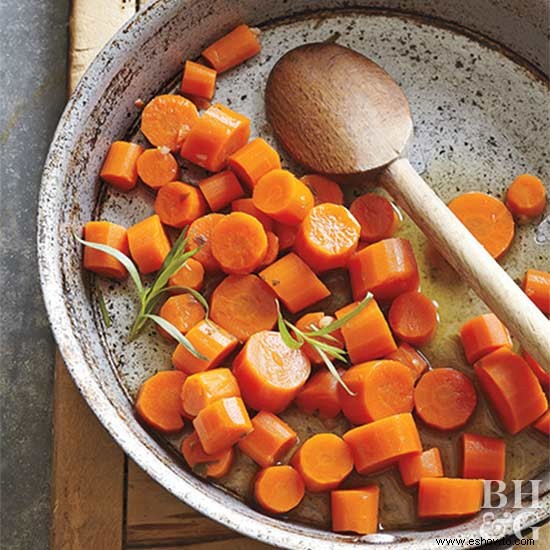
(487, 218)
(214, 466)
(323, 189)
(216, 135)
(243, 304)
(482, 335)
(294, 282)
(198, 80)
(526, 197)
(148, 244)
(376, 215)
(324, 461)
(191, 275)
(269, 373)
(540, 373)
(120, 165)
(210, 340)
(103, 264)
(327, 237)
(247, 206)
(314, 321)
(286, 234)
(483, 457)
(272, 249)
(408, 356)
(221, 189)
(157, 167)
(232, 49)
(367, 335)
(355, 510)
(382, 388)
(382, 443)
(167, 120)
(253, 161)
(270, 441)
(543, 423)
(511, 388)
(386, 268)
(183, 311)
(221, 424)
(199, 235)
(158, 402)
(416, 466)
(201, 103)
(445, 497)
(203, 388)
(413, 318)
(445, 398)
(282, 196)
(278, 489)
(239, 243)
(320, 393)
(179, 204)
(536, 284)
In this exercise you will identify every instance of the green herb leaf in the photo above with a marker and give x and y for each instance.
(291, 342)
(334, 371)
(103, 308)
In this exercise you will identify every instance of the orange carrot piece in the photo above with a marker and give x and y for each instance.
(167, 120)
(278, 489)
(233, 49)
(526, 197)
(270, 441)
(157, 167)
(324, 461)
(314, 321)
(149, 244)
(221, 189)
(243, 304)
(216, 135)
(355, 510)
(120, 165)
(239, 243)
(179, 204)
(286, 234)
(253, 161)
(158, 402)
(270, 374)
(487, 218)
(376, 215)
(382, 388)
(198, 80)
(482, 335)
(320, 393)
(511, 388)
(103, 264)
(416, 466)
(214, 466)
(445, 497)
(367, 335)
(382, 443)
(323, 189)
(199, 236)
(536, 284)
(483, 457)
(294, 282)
(246, 205)
(540, 373)
(191, 275)
(409, 357)
(543, 423)
(272, 249)
(184, 311)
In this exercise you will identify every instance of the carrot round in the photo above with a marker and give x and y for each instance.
(191, 274)
(253, 161)
(320, 393)
(526, 197)
(199, 236)
(158, 402)
(324, 461)
(272, 249)
(179, 204)
(283, 197)
(408, 356)
(221, 189)
(445, 398)
(157, 167)
(243, 304)
(286, 234)
(413, 318)
(483, 457)
(99, 262)
(246, 205)
(184, 311)
(120, 165)
(355, 510)
(414, 467)
(445, 497)
(543, 423)
(536, 284)
(482, 335)
(214, 465)
(376, 215)
(270, 374)
(239, 243)
(198, 80)
(323, 189)
(167, 120)
(487, 218)
(540, 373)
(314, 321)
(149, 244)
(278, 489)
(270, 441)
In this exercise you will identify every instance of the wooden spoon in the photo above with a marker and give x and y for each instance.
(339, 113)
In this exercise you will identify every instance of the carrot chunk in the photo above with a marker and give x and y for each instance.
(543, 423)
(536, 284)
(320, 393)
(103, 264)
(445, 497)
(270, 374)
(253, 161)
(355, 510)
(278, 489)
(270, 441)
(179, 204)
(120, 165)
(272, 249)
(540, 373)
(246, 205)
(199, 236)
(286, 234)
(323, 189)
(314, 321)
(149, 244)
(191, 275)
(482, 335)
(156, 168)
(221, 189)
(214, 465)
(483, 457)
(409, 357)
(526, 197)
(376, 215)
(198, 80)
(184, 311)
(416, 466)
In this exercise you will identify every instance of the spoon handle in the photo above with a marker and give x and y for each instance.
(470, 259)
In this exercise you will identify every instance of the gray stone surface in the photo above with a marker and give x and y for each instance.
(33, 62)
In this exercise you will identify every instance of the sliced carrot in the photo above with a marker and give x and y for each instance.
(286, 234)
(282, 196)
(247, 206)
(270, 441)
(526, 197)
(216, 135)
(409, 357)
(445, 497)
(272, 249)
(482, 335)
(324, 461)
(487, 218)
(381, 388)
(253, 161)
(179, 204)
(239, 243)
(314, 321)
(199, 235)
(232, 49)
(191, 275)
(278, 489)
(367, 335)
(377, 217)
(120, 165)
(198, 80)
(355, 510)
(270, 374)
(543, 423)
(540, 373)
(167, 120)
(294, 282)
(483, 457)
(416, 466)
(511, 388)
(149, 244)
(320, 393)
(184, 311)
(214, 466)
(243, 304)
(221, 189)
(158, 402)
(323, 189)
(103, 264)
(157, 167)
(536, 284)
(382, 443)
